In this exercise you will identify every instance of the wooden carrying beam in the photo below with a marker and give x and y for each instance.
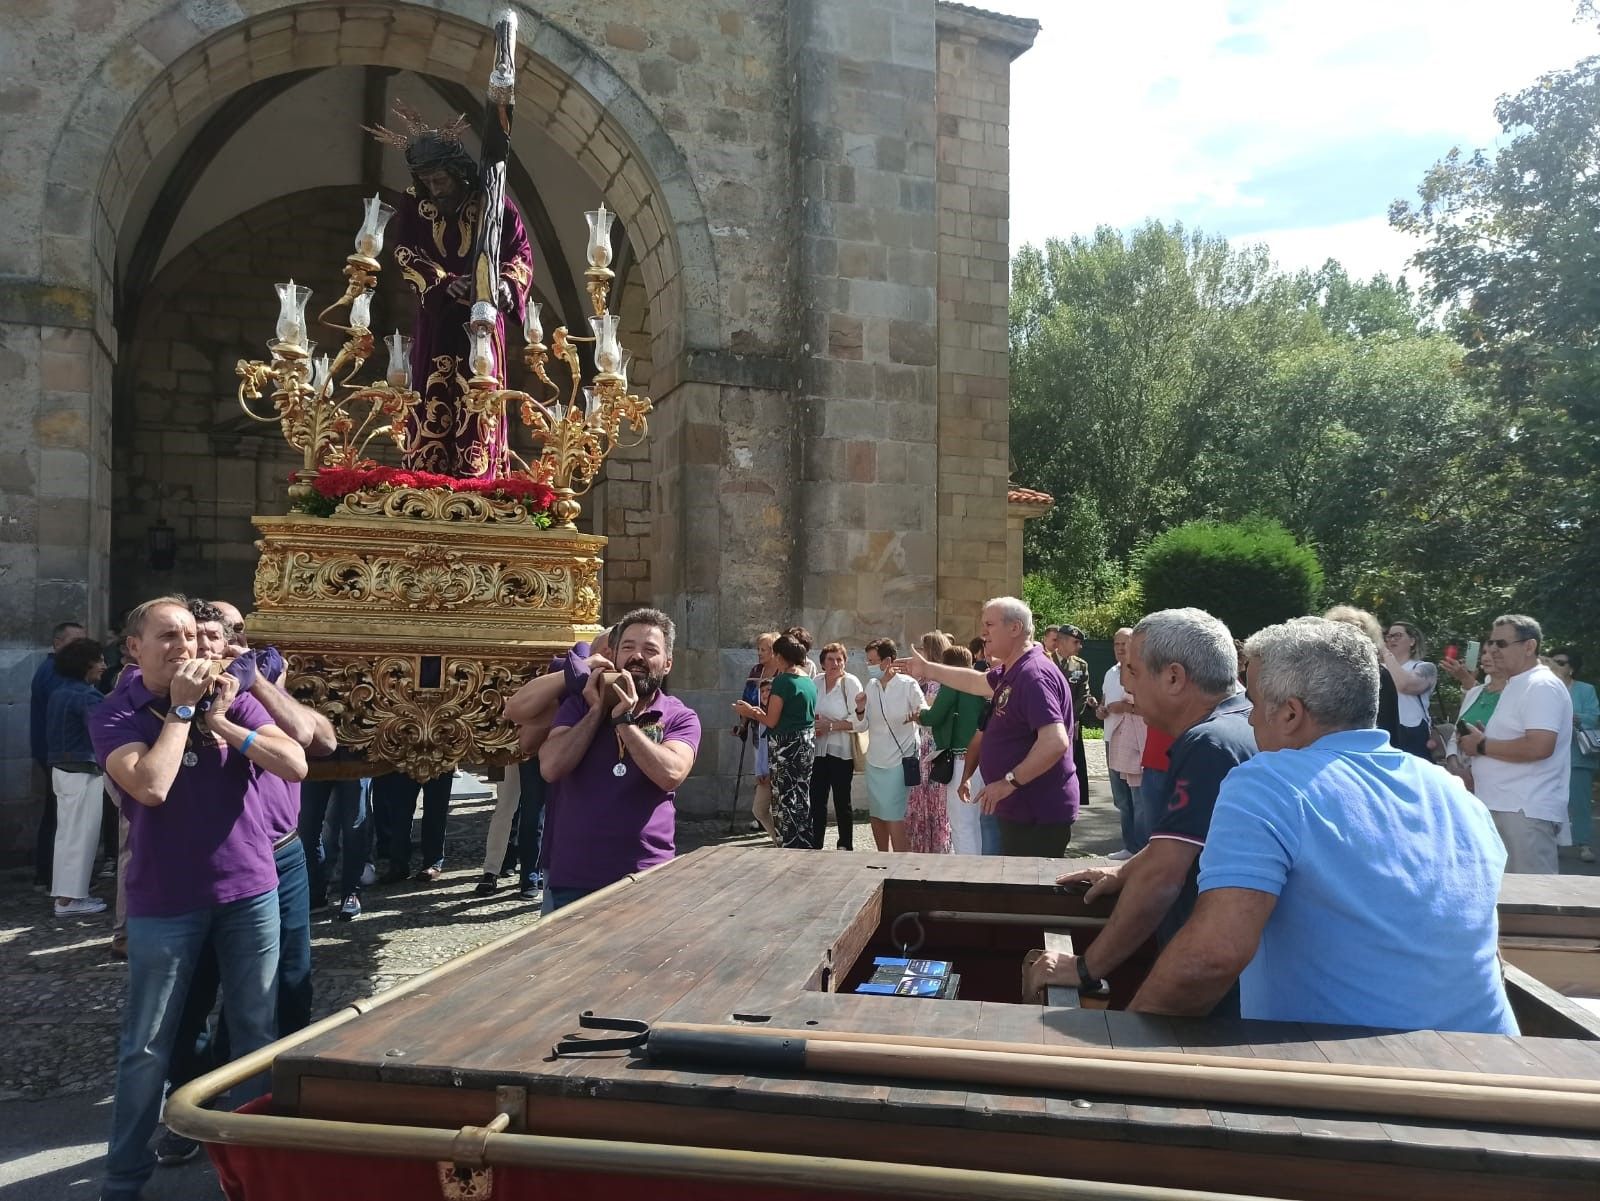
(1494, 1100)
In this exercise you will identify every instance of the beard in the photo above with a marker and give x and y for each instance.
(644, 683)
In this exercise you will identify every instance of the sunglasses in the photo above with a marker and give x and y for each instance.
(1502, 643)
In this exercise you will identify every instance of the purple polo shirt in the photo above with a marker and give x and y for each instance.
(1029, 695)
(280, 798)
(606, 828)
(207, 843)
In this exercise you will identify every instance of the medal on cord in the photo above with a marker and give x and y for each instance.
(621, 769)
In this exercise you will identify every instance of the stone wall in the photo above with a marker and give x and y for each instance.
(786, 175)
(975, 56)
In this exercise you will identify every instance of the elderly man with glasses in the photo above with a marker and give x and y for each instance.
(1521, 755)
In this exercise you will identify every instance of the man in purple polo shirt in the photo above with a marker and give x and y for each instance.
(616, 755)
(1029, 782)
(200, 860)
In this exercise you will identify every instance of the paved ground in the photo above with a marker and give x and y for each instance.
(60, 992)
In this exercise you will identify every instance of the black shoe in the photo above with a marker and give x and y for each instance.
(487, 883)
(394, 874)
(172, 1148)
(318, 904)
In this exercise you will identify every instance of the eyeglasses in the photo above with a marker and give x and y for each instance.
(1562, 662)
(1502, 643)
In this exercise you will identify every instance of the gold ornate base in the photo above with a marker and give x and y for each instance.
(409, 632)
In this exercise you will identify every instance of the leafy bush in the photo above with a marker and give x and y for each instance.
(1046, 597)
(1123, 608)
(1250, 574)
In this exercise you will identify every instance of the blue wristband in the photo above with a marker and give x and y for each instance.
(248, 739)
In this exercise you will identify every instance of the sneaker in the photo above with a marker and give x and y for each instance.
(80, 907)
(349, 908)
(172, 1148)
(487, 883)
(1119, 856)
(532, 888)
(108, 870)
(369, 876)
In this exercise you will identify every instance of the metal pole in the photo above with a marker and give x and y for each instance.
(738, 782)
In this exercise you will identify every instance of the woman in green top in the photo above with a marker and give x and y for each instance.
(953, 718)
(1585, 716)
(790, 718)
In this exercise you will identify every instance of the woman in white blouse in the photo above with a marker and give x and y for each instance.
(834, 767)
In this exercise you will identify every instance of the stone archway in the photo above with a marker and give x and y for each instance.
(189, 57)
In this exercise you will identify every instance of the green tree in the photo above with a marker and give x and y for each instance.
(1513, 250)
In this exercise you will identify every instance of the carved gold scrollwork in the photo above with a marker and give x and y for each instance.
(377, 706)
(431, 504)
(430, 578)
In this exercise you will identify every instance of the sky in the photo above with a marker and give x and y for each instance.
(1294, 123)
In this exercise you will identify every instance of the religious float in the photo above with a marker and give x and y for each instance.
(410, 602)
(702, 1031)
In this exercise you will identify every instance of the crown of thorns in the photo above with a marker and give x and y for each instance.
(416, 128)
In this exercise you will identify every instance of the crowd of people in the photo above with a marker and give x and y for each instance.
(1282, 800)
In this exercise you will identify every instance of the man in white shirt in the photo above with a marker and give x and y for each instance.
(1521, 756)
(1116, 710)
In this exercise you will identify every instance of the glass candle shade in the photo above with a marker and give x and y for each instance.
(399, 373)
(369, 238)
(292, 314)
(361, 311)
(533, 325)
(480, 358)
(600, 236)
(319, 375)
(591, 404)
(607, 350)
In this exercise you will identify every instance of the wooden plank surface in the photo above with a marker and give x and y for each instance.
(731, 931)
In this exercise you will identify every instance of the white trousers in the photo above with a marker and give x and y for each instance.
(507, 796)
(77, 831)
(965, 836)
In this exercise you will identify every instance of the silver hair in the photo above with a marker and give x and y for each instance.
(1011, 609)
(1194, 640)
(1525, 626)
(648, 617)
(1330, 667)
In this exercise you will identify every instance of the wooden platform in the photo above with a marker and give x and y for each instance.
(758, 936)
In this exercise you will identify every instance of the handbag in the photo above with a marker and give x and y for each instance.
(943, 768)
(858, 749)
(1589, 742)
(910, 765)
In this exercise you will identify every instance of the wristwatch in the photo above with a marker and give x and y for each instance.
(627, 719)
(183, 712)
(1011, 779)
(1089, 986)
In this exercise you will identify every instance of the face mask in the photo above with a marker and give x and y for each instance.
(874, 672)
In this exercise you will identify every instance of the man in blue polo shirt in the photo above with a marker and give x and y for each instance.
(1182, 671)
(1348, 881)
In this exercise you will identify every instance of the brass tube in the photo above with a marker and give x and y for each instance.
(1173, 1058)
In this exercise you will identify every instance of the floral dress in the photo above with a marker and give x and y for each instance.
(927, 819)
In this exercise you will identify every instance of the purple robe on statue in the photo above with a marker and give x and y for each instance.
(432, 249)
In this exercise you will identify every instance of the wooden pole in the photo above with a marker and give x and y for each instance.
(1197, 1079)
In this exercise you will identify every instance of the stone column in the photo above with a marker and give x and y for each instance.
(863, 74)
(975, 53)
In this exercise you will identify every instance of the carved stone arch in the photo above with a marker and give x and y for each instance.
(190, 57)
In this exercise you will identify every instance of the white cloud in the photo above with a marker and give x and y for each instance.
(1170, 109)
(1365, 247)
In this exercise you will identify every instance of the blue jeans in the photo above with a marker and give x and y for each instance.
(162, 952)
(195, 1051)
(1151, 802)
(530, 821)
(555, 898)
(346, 803)
(1122, 797)
(989, 832)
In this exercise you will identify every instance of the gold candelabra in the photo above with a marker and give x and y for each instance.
(320, 408)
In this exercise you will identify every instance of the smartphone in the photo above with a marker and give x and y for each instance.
(1451, 652)
(1463, 729)
(1471, 658)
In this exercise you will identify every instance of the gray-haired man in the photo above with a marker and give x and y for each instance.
(1182, 670)
(1520, 757)
(1349, 882)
